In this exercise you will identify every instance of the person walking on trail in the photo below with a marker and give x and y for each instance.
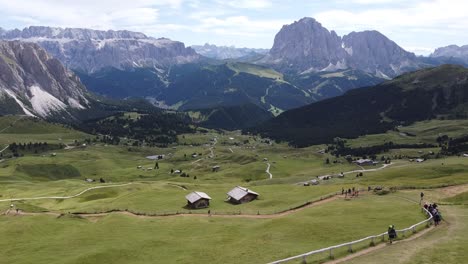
(437, 217)
(422, 196)
(392, 234)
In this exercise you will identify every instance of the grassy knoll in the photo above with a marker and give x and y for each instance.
(419, 132)
(444, 244)
(255, 70)
(27, 129)
(124, 239)
(428, 174)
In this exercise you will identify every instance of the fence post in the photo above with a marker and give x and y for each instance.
(383, 237)
(304, 261)
(350, 249)
(404, 231)
(414, 229)
(331, 253)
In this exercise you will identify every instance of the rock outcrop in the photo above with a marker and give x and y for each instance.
(36, 84)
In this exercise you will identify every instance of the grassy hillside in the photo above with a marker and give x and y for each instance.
(243, 160)
(427, 94)
(231, 117)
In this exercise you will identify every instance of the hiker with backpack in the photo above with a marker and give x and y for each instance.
(392, 234)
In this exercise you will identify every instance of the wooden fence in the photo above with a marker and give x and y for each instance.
(372, 241)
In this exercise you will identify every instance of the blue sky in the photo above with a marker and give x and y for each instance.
(417, 25)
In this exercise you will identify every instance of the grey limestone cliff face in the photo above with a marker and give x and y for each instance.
(306, 46)
(90, 50)
(452, 51)
(38, 83)
(373, 52)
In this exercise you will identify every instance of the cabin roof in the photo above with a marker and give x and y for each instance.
(240, 192)
(195, 196)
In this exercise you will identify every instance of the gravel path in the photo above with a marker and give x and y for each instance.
(64, 197)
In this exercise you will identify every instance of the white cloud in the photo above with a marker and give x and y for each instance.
(426, 19)
(239, 25)
(102, 14)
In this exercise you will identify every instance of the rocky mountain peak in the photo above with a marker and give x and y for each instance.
(37, 84)
(306, 46)
(372, 51)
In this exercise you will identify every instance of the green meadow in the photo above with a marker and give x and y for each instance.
(54, 231)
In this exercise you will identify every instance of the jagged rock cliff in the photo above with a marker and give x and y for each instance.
(35, 84)
(306, 46)
(89, 51)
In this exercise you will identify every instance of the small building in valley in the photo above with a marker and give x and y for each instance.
(198, 200)
(364, 162)
(240, 195)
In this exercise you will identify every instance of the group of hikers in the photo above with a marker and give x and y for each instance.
(351, 192)
(432, 209)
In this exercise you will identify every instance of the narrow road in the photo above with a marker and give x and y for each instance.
(354, 171)
(250, 216)
(4, 148)
(12, 124)
(198, 160)
(5, 128)
(268, 170)
(378, 247)
(212, 147)
(64, 197)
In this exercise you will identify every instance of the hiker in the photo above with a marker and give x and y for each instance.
(392, 234)
(426, 206)
(422, 196)
(342, 191)
(437, 217)
(429, 208)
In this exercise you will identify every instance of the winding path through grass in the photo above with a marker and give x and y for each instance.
(354, 171)
(65, 197)
(268, 170)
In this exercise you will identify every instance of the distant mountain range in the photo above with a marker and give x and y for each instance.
(224, 52)
(440, 92)
(307, 63)
(452, 51)
(89, 51)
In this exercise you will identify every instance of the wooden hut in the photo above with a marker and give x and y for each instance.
(198, 200)
(240, 195)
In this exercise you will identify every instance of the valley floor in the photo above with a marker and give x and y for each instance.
(139, 214)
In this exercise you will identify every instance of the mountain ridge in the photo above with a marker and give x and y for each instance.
(89, 50)
(440, 92)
